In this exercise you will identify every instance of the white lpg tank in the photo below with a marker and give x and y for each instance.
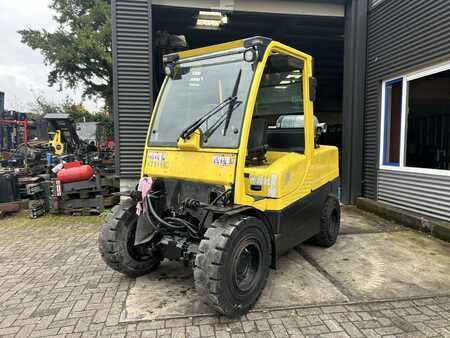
(298, 121)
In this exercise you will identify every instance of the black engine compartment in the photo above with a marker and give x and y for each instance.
(172, 222)
(177, 197)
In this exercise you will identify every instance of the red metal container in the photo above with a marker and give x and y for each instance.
(75, 173)
(72, 164)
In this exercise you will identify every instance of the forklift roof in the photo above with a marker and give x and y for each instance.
(243, 43)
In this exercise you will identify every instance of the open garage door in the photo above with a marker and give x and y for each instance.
(315, 28)
(319, 27)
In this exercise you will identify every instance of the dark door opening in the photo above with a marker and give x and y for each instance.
(320, 36)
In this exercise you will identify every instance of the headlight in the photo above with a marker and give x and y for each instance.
(250, 55)
(168, 69)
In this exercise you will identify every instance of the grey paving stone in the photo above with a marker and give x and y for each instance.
(56, 285)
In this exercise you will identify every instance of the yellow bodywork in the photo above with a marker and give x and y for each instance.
(56, 143)
(284, 179)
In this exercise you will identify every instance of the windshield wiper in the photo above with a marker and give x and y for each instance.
(194, 126)
(211, 130)
(231, 106)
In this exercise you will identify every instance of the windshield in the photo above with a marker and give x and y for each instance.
(196, 88)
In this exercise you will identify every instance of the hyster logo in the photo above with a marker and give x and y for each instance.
(269, 181)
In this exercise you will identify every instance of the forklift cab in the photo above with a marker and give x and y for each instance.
(284, 133)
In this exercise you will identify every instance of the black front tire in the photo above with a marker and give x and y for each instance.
(232, 264)
(330, 222)
(116, 242)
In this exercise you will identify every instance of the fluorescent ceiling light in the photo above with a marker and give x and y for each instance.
(293, 76)
(212, 23)
(215, 14)
(211, 19)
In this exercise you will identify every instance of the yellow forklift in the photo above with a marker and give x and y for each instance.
(63, 138)
(233, 174)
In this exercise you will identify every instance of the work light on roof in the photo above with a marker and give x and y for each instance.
(250, 55)
(211, 19)
(168, 69)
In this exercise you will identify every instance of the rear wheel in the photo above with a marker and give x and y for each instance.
(232, 264)
(116, 243)
(329, 223)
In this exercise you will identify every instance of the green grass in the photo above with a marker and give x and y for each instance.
(22, 218)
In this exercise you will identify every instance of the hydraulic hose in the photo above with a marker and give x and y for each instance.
(223, 194)
(158, 218)
(169, 221)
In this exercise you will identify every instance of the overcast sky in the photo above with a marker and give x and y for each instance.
(23, 75)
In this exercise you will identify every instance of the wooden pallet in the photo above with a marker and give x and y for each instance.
(9, 207)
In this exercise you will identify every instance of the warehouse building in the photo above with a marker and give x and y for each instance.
(382, 67)
(407, 110)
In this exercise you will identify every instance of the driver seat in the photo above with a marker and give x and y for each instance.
(257, 142)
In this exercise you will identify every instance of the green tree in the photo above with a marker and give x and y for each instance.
(41, 106)
(80, 50)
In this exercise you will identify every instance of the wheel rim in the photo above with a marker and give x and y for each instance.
(247, 265)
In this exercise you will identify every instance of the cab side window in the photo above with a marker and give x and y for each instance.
(281, 88)
(280, 104)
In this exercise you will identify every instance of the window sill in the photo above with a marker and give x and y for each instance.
(436, 172)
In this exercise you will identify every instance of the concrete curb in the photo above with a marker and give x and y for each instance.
(436, 228)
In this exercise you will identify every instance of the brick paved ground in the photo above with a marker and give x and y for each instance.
(53, 283)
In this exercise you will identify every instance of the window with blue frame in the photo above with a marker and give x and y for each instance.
(392, 122)
(415, 121)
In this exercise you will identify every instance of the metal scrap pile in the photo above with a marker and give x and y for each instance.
(69, 187)
(67, 174)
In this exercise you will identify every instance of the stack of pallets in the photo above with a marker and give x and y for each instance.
(85, 197)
